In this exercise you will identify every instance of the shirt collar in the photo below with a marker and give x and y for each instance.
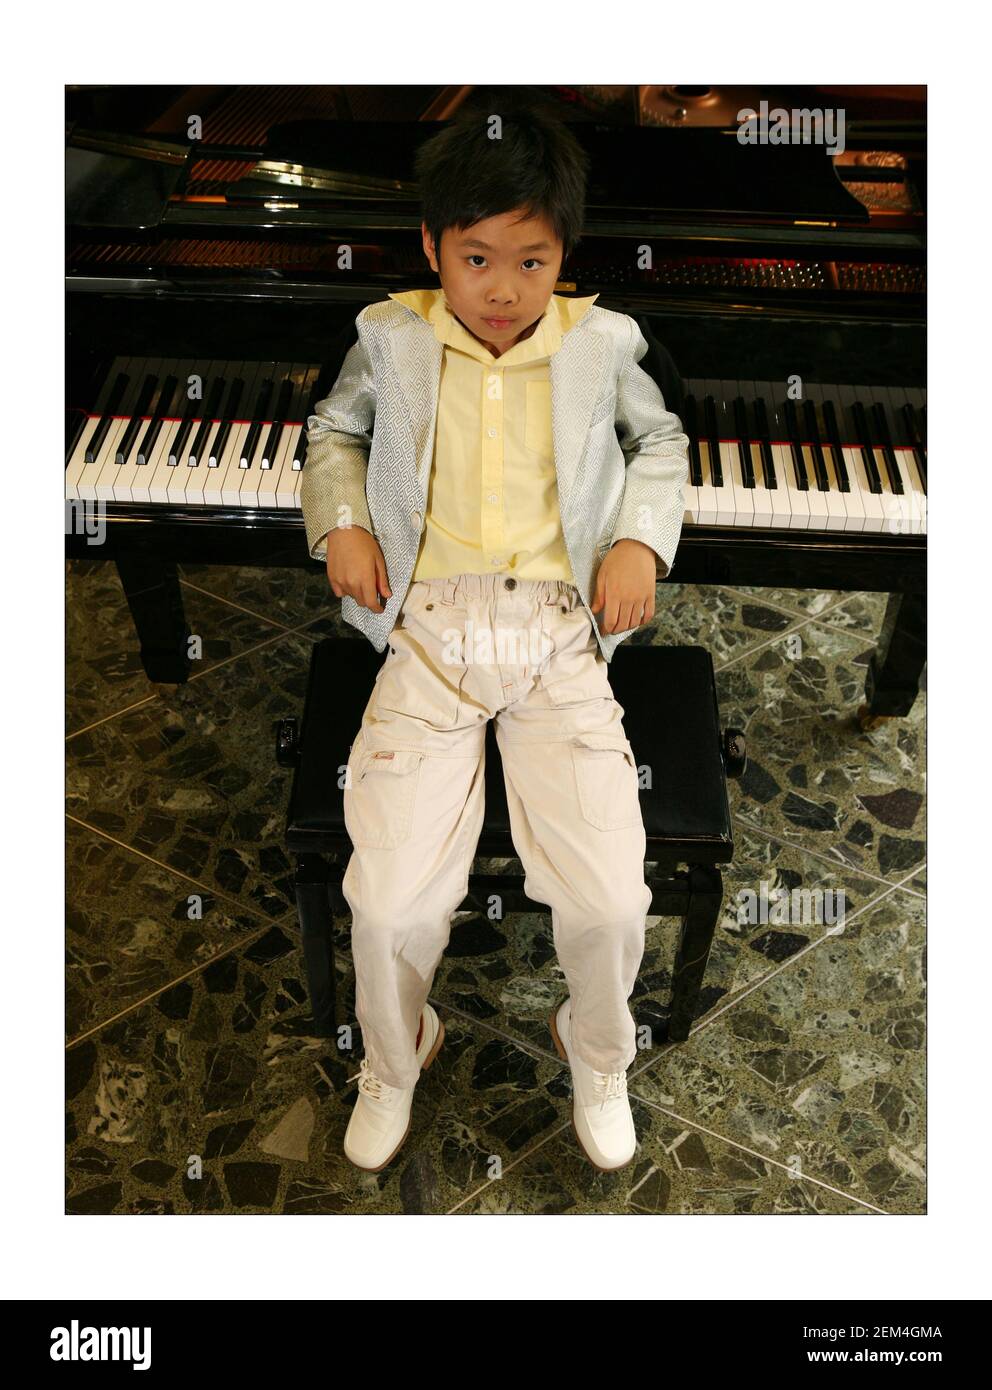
(558, 318)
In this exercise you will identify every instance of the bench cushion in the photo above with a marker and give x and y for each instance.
(671, 718)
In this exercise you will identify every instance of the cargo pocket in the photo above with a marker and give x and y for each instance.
(419, 684)
(606, 780)
(379, 804)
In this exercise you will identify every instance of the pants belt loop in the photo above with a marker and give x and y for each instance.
(450, 585)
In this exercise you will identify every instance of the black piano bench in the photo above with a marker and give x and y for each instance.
(672, 720)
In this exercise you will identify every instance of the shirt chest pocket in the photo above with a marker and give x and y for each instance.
(537, 424)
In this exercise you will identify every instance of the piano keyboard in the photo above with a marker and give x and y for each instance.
(846, 458)
(241, 444)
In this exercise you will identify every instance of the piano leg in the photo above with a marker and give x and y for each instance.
(151, 586)
(893, 680)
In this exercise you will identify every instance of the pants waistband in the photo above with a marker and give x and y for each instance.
(460, 587)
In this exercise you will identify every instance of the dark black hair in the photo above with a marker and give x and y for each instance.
(537, 164)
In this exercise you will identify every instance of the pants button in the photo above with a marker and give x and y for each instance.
(511, 583)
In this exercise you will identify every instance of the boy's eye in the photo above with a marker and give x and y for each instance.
(531, 260)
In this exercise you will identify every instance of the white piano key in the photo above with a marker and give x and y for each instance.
(287, 487)
(77, 467)
(763, 500)
(854, 509)
(99, 484)
(873, 508)
(269, 480)
(199, 481)
(797, 501)
(743, 497)
(160, 471)
(212, 494)
(914, 498)
(709, 501)
(819, 506)
(234, 476)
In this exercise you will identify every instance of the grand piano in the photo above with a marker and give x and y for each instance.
(781, 291)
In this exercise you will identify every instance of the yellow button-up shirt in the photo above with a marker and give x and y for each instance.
(492, 501)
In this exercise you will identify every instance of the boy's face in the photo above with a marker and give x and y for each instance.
(498, 276)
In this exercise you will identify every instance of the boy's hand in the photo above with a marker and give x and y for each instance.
(356, 567)
(625, 586)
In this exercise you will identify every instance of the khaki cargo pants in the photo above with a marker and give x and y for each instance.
(466, 650)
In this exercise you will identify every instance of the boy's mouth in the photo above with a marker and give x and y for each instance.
(499, 323)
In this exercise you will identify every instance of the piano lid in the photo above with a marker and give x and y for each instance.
(659, 174)
(120, 181)
(698, 173)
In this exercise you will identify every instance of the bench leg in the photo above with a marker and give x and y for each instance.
(313, 907)
(696, 938)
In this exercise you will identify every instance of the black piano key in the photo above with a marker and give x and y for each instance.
(160, 409)
(794, 437)
(231, 417)
(211, 412)
(178, 445)
(99, 435)
(692, 430)
(812, 429)
(141, 409)
(713, 439)
(259, 416)
(834, 440)
(280, 414)
(743, 432)
(75, 423)
(885, 441)
(866, 441)
(764, 442)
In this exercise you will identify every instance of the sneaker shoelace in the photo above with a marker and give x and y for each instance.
(613, 1084)
(369, 1084)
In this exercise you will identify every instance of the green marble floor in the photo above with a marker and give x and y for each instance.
(799, 1090)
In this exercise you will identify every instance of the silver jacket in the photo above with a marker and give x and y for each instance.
(371, 445)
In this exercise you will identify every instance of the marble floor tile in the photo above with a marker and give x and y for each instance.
(134, 928)
(190, 778)
(726, 622)
(215, 1097)
(822, 1066)
(103, 667)
(678, 1170)
(813, 777)
(289, 596)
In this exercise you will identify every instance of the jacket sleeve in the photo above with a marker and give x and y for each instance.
(339, 436)
(657, 454)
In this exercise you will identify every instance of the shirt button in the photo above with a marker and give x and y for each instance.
(493, 497)
(493, 433)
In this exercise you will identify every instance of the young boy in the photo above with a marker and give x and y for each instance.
(466, 468)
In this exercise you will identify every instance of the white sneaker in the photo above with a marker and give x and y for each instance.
(601, 1114)
(380, 1121)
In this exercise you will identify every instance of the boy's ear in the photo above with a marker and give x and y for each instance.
(430, 250)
